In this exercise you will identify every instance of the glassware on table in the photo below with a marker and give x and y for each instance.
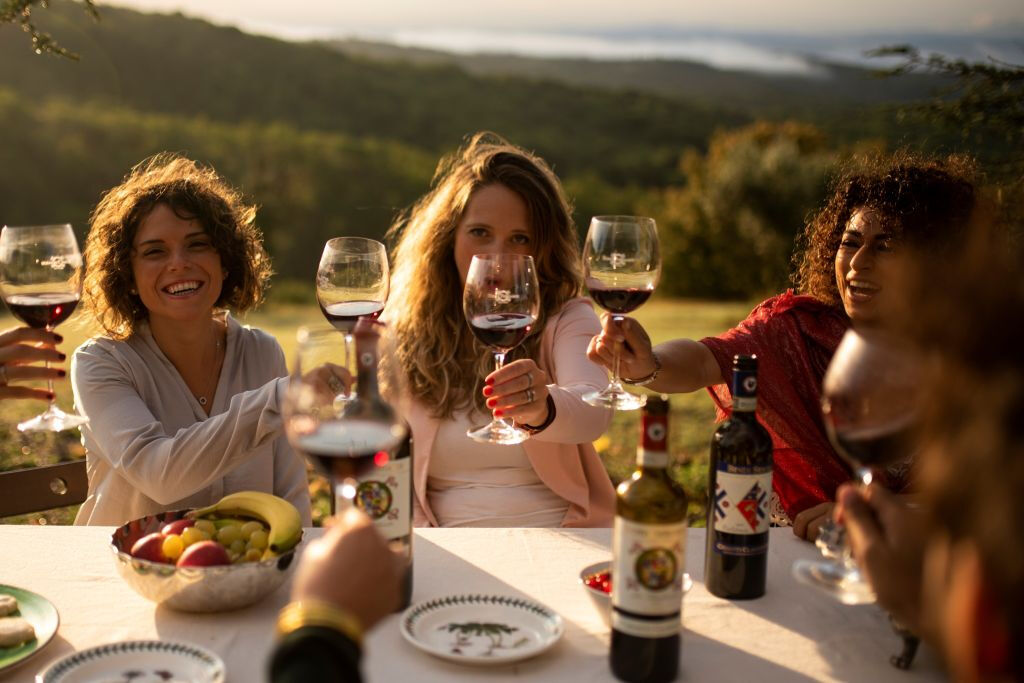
(501, 301)
(343, 440)
(352, 281)
(870, 406)
(40, 281)
(622, 266)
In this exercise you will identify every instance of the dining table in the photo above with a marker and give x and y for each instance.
(792, 633)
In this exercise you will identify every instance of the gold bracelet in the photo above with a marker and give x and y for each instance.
(301, 613)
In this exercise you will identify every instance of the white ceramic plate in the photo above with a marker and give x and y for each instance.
(138, 661)
(481, 629)
(36, 610)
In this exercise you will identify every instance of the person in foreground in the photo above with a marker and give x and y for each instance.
(19, 348)
(320, 632)
(492, 197)
(183, 402)
(843, 274)
(953, 569)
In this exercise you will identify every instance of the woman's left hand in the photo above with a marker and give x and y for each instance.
(807, 524)
(518, 391)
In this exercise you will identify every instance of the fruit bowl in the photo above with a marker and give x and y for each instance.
(194, 589)
(596, 580)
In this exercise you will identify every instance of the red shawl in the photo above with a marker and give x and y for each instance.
(794, 337)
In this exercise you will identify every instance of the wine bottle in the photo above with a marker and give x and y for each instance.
(383, 492)
(648, 547)
(739, 491)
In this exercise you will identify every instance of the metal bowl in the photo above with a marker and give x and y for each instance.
(194, 589)
(603, 601)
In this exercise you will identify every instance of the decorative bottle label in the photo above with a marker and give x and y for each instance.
(647, 577)
(383, 495)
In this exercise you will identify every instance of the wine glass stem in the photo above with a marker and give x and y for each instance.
(348, 345)
(344, 495)
(49, 381)
(865, 475)
(615, 355)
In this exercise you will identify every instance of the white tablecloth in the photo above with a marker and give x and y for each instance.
(791, 634)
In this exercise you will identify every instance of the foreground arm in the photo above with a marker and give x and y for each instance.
(686, 365)
(167, 467)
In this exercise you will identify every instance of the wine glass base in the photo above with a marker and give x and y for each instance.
(53, 420)
(500, 433)
(616, 400)
(846, 586)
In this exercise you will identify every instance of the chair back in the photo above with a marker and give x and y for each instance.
(35, 489)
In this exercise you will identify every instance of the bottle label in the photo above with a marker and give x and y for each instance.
(744, 390)
(647, 576)
(741, 499)
(383, 495)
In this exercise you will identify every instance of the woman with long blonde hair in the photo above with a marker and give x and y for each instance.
(493, 197)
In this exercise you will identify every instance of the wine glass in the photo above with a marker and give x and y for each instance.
(40, 281)
(343, 440)
(501, 302)
(352, 281)
(622, 265)
(870, 406)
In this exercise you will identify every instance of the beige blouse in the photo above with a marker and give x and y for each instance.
(151, 447)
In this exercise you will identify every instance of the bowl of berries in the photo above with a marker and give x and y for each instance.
(596, 580)
(222, 557)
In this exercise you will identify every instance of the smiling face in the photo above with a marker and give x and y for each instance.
(496, 221)
(863, 263)
(177, 270)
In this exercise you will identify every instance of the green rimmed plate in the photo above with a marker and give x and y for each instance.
(36, 610)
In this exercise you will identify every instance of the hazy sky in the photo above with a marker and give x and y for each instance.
(333, 17)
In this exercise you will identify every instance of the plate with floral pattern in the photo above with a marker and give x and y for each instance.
(481, 629)
(137, 661)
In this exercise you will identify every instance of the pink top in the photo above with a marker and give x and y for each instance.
(562, 455)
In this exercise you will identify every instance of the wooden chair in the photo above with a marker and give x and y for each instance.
(35, 489)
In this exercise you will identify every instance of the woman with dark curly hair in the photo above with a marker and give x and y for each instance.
(843, 268)
(183, 402)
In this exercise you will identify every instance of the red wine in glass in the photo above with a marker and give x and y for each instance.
(619, 300)
(503, 331)
(345, 314)
(46, 310)
(347, 449)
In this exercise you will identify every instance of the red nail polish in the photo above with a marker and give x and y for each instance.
(491, 402)
(489, 381)
(58, 338)
(498, 413)
(488, 390)
(51, 395)
(61, 373)
(63, 356)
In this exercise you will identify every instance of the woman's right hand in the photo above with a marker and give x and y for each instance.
(636, 354)
(329, 381)
(21, 346)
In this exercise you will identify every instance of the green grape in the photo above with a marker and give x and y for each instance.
(258, 540)
(193, 534)
(237, 546)
(206, 526)
(226, 535)
(249, 528)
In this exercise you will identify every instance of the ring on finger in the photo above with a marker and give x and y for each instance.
(335, 384)
(530, 396)
(529, 380)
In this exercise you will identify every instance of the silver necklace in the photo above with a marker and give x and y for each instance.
(216, 361)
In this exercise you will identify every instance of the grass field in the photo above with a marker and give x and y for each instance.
(691, 421)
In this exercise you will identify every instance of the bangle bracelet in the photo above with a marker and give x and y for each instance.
(644, 381)
(546, 423)
(301, 613)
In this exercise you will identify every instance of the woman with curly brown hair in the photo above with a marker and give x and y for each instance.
(843, 268)
(183, 402)
(492, 197)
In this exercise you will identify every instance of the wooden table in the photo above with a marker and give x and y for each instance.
(791, 634)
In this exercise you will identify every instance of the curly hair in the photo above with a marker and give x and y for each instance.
(443, 363)
(925, 203)
(193, 192)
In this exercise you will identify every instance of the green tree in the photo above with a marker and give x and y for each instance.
(20, 12)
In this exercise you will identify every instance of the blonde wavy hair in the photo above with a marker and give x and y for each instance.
(443, 364)
(193, 192)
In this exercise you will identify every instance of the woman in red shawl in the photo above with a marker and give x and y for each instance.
(843, 266)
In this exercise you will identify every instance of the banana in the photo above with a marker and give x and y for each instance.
(277, 513)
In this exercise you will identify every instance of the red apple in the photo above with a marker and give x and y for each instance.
(150, 547)
(177, 526)
(204, 554)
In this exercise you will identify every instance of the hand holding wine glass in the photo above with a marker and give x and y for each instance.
(622, 266)
(870, 408)
(40, 281)
(501, 302)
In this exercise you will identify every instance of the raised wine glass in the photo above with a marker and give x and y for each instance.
(352, 281)
(343, 440)
(501, 302)
(40, 280)
(622, 265)
(870, 406)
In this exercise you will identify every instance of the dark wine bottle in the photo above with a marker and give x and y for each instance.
(648, 547)
(739, 491)
(384, 492)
